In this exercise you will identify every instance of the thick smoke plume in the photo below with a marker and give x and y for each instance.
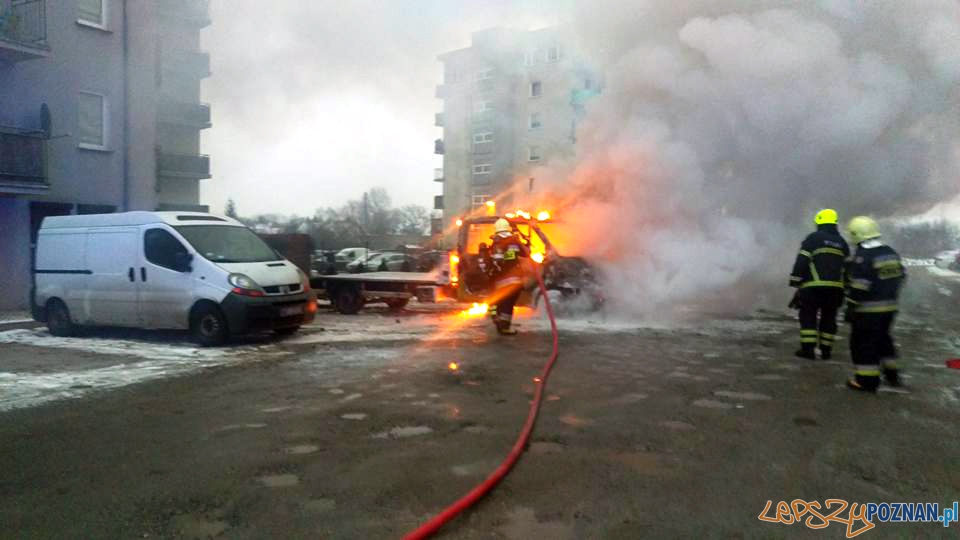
(724, 125)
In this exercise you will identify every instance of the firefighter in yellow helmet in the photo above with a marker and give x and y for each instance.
(507, 271)
(818, 276)
(875, 275)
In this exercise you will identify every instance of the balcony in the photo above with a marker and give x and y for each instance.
(184, 114)
(187, 62)
(193, 12)
(23, 30)
(22, 169)
(438, 202)
(438, 146)
(191, 166)
(438, 119)
(438, 175)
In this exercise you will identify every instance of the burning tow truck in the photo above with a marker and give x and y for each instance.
(570, 281)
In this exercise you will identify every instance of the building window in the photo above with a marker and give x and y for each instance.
(478, 201)
(536, 89)
(480, 107)
(588, 84)
(532, 57)
(534, 154)
(484, 137)
(484, 74)
(553, 54)
(92, 13)
(535, 122)
(92, 121)
(483, 168)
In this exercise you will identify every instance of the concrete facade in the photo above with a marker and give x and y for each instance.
(510, 107)
(141, 61)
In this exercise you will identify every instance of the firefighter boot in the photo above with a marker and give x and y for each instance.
(806, 351)
(864, 383)
(891, 374)
(826, 353)
(503, 325)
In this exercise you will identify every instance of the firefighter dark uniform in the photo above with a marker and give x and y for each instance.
(506, 254)
(875, 275)
(818, 276)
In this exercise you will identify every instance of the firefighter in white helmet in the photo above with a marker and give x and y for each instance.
(874, 277)
(507, 252)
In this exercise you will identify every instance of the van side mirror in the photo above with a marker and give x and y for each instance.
(182, 260)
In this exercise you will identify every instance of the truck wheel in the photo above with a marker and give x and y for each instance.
(286, 331)
(208, 326)
(58, 319)
(349, 301)
(396, 304)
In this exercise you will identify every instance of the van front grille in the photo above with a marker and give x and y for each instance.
(282, 289)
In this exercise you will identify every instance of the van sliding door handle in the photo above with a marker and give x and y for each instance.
(130, 274)
(143, 273)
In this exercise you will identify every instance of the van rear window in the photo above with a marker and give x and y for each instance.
(227, 244)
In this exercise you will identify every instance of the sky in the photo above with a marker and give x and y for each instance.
(314, 103)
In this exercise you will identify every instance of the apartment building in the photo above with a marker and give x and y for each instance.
(511, 102)
(99, 112)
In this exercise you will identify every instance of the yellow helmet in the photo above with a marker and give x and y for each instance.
(502, 225)
(863, 228)
(827, 216)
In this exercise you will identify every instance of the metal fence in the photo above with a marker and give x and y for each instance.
(24, 22)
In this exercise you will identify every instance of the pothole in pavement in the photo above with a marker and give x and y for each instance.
(748, 396)
(279, 480)
(402, 432)
(302, 449)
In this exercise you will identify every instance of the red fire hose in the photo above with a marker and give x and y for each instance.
(429, 528)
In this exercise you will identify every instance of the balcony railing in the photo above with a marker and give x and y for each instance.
(184, 114)
(438, 119)
(22, 167)
(195, 166)
(191, 63)
(438, 175)
(196, 12)
(438, 202)
(438, 146)
(23, 30)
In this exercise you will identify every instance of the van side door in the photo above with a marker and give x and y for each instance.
(166, 279)
(111, 297)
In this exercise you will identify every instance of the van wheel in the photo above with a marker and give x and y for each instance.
(396, 304)
(58, 319)
(286, 331)
(208, 326)
(349, 301)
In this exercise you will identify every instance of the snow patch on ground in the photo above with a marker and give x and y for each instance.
(943, 272)
(142, 349)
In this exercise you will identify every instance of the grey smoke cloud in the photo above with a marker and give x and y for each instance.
(726, 124)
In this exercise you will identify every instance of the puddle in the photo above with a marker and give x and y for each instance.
(575, 421)
(235, 427)
(546, 447)
(675, 425)
(279, 480)
(320, 505)
(302, 449)
(403, 432)
(749, 396)
(712, 404)
(354, 416)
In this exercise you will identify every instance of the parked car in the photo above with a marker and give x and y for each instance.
(362, 263)
(349, 255)
(397, 262)
(180, 270)
(430, 260)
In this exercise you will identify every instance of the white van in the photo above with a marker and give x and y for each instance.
(182, 270)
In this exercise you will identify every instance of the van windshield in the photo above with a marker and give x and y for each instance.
(226, 244)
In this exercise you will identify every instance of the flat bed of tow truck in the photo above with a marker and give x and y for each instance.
(350, 292)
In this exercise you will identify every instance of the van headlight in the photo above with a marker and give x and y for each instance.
(245, 285)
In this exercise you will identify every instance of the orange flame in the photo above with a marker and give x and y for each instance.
(453, 366)
(476, 310)
(537, 257)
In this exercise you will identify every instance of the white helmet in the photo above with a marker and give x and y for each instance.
(502, 225)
